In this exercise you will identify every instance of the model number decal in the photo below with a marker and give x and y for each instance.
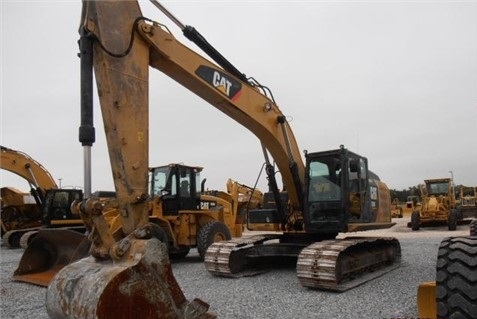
(225, 84)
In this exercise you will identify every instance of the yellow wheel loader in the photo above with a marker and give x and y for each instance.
(191, 216)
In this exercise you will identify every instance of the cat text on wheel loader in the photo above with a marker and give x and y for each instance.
(128, 273)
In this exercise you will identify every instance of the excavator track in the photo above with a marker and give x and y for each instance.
(336, 265)
(27, 237)
(342, 264)
(12, 238)
(228, 258)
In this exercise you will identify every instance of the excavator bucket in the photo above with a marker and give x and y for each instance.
(138, 285)
(426, 300)
(48, 252)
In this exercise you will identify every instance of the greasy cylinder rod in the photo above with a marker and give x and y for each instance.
(86, 130)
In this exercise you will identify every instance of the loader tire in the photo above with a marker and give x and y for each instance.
(473, 227)
(456, 278)
(452, 220)
(415, 219)
(210, 233)
(179, 253)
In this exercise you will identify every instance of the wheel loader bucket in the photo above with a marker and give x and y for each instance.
(138, 285)
(426, 300)
(50, 251)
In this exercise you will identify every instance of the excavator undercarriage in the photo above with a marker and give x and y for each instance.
(335, 264)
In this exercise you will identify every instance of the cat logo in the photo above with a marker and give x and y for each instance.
(224, 83)
(221, 83)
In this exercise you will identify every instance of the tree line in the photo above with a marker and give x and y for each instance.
(402, 195)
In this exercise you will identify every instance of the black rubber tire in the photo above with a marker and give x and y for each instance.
(210, 233)
(179, 253)
(473, 228)
(452, 220)
(415, 219)
(456, 278)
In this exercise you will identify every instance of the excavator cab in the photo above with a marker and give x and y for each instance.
(178, 186)
(57, 205)
(336, 183)
(342, 194)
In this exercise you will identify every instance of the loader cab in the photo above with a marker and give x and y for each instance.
(178, 187)
(336, 190)
(436, 187)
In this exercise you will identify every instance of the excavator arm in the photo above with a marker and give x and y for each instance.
(26, 167)
(128, 273)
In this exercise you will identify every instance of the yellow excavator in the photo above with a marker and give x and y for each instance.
(50, 208)
(128, 273)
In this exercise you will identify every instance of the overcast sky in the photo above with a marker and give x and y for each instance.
(395, 81)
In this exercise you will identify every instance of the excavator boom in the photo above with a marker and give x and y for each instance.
(24, 166)
(244, 102)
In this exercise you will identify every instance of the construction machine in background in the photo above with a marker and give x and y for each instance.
(19, 210)
(47, 206)
(396, 209)
(248, 197)
(467, 202)
(412, 204)
(334, 192)
(190, 215)
(438, 205)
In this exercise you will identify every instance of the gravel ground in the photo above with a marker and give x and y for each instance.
(275, 294)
